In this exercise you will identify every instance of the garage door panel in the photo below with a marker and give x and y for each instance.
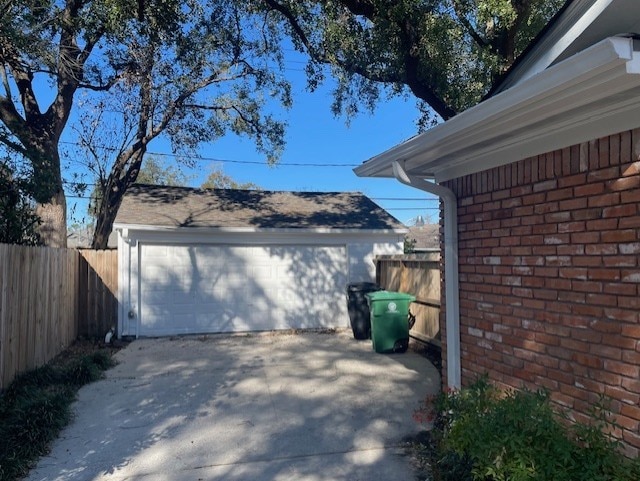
(198, 289)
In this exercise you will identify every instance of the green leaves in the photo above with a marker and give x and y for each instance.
(485, 434)
(447, 53)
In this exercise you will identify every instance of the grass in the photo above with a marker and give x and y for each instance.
(37, 405)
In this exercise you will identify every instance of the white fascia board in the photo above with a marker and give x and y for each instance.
(255, 230)
(539, 107)
(579, 16)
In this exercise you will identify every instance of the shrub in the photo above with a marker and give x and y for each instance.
(485, 434)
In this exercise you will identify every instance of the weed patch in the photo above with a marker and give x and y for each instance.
(37, 405)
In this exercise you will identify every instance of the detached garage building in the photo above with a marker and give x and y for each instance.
(203, 261)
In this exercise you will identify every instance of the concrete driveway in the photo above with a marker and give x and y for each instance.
(312, 407)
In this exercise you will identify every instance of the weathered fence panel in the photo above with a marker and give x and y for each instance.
(97, 292)
(48, 297)
(38, 306)
(419, 275)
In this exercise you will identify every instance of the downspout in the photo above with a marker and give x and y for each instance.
(452, 313)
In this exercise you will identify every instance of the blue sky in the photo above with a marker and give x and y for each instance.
(315, 136)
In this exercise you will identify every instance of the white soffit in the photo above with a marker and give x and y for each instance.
(589, 95)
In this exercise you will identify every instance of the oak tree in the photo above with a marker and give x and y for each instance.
(190, 71)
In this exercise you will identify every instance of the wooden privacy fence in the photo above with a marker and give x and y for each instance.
(419, 275)
(47, 298)
(97, 290)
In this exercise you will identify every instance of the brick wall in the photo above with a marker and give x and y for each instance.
(550, 276)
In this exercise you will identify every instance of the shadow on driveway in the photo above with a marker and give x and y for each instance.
(313, 407)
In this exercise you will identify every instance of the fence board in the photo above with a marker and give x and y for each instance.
(98, 311)
(419, 275)
(38, 318)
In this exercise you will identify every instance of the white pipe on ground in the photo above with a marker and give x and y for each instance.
(452, 313)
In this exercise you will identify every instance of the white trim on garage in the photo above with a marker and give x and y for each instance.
(343, 257)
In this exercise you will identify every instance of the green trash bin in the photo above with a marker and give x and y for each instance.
(389, 320)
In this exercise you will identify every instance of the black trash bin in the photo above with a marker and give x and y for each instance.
(358, 308)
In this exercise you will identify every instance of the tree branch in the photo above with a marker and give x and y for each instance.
(297, 28)
(410, 76)
(475, 35)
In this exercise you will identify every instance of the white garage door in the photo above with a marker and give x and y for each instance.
(201, 289)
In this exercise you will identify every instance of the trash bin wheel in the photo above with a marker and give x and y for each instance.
(401, 345)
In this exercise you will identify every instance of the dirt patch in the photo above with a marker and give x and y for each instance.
(83, 347)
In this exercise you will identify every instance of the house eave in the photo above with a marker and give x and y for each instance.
(589, 95)
(255, 230)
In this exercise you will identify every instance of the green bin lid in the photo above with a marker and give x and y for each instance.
(389, 296)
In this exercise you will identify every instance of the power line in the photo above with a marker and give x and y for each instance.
(229, 161)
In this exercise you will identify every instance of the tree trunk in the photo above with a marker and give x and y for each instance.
(104, 220)
(53, 217)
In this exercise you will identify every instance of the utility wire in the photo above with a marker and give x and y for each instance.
(229, 161)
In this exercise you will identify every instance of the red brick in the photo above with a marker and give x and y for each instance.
(589, 190)
(588, 261)
(632, 248)
(629, 410)
(545, 250)
(571, 180)
(606, 377)
(588, 310)
(624, 422)
(603, 200)
(579, 346)
(621, 368)
(574, 392)
(622, 315)
(586, 286)
(631, 385)
(620, 289)
(604, 274)
(562, 399)
(634, 440)
(631, 357)
(559, 194)
(609, 327)
(586, 214)
(585, 238)
(631, 331)
(561, 284)
(573, 273)
(587, 335)
(602, 224)
(630, 275)
(602, 299)
(576, 226)
(571, 250)
(629, 222)
(575, 297)
(622, 235)
(561, 376)
(603, 174)
(630, 196)
(626, 183)
(590, 361)
(610, 352)
(620, 261)
(546, 185)
(624, 210)
(550, 208)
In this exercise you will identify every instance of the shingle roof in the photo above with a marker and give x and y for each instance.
(188, 207)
